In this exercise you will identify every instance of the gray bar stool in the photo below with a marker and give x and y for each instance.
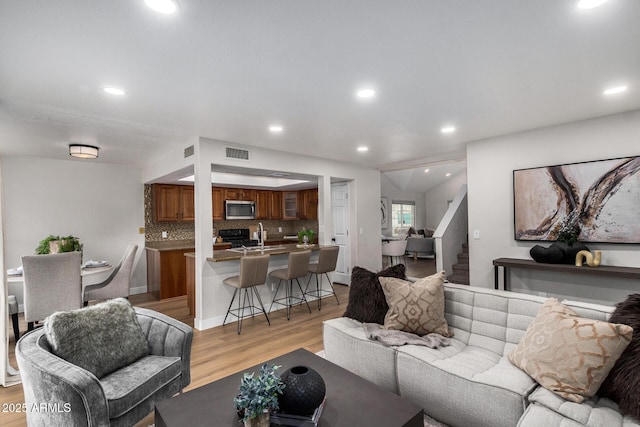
(253, 272)
(327, 261)
(298, 267)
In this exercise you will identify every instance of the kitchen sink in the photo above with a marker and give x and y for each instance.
(253, 249)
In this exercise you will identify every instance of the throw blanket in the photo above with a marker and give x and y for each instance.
(389, 337)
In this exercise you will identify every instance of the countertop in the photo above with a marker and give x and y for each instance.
(230, 255)
(175, 245)
(170, 245)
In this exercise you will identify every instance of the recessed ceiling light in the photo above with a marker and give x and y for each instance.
(366, 93)
(590, 4)
(426, 171)
(448, 174)
(163, 6)
(363, 149)
(113, 90)
(276, 128)
(615, 90)
(448, 129)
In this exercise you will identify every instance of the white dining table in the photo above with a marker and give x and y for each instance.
(86, 271)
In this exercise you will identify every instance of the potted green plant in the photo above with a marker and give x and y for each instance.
(56, 244)
(258, 396)
(309, 234)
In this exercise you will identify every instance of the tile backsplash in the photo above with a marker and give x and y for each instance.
(186, 230)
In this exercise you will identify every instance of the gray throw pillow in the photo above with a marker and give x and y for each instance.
(101, 338)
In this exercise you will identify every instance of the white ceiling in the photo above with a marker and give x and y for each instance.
(228, 69)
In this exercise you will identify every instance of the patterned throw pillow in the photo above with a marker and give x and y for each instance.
(569, 355)
(367, 303)
(416, 307)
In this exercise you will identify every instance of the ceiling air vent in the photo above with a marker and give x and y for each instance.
(237, 153)
(188, 152)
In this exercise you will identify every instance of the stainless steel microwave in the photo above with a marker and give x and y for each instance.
(239, 209)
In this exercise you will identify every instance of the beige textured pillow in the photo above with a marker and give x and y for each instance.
(416, 307)
(569, 355)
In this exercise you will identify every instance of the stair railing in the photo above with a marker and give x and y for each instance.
(452, 232)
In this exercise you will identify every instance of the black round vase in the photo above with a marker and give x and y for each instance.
(303, 392)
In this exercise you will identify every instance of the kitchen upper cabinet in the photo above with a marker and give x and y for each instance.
(275, 200)
(239, 194)
(308, 204)
(263, 204)
(268, 204)
(290, 205)
(217, 201)
(173, 203)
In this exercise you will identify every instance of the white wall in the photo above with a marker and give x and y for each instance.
(101, 204)
(490, 164)
(436, 199)
(389, 189)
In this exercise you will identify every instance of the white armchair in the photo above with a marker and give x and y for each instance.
(394, 249)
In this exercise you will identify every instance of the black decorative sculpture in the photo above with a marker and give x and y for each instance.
(303, 392)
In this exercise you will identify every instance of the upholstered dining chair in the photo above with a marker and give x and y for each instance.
(117, 284)
(253, 272)
(12, 304)
(327, 261)
(51, 283)
(394, 249)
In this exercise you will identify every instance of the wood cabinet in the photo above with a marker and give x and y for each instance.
(308, 204)
(173, 203)
(217, 201)
(268, 204)
(239, 194)
(275, 201)
(289, 205)
(263, 204)
(166, 272)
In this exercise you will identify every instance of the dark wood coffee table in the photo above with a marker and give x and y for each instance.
(351, 401)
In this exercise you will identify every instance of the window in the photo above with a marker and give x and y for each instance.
(403, 216)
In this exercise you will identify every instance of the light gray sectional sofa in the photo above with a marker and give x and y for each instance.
(471, 382)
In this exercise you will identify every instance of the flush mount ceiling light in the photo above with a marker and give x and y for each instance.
(82, 151)
(363, 149)
(276, 128)
(589, 4)
(426, 171)
(448, 129)
(615, 90)
(447, 174)
(163, 6)
(111, 90)
(366, 93)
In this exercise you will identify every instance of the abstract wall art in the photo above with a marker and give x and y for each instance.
(599, 201)
(384, 213)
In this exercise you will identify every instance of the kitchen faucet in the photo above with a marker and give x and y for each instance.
(261, 236)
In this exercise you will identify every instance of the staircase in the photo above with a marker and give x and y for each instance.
(461, 268)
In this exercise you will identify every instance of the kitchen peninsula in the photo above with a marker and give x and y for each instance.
(226, 263)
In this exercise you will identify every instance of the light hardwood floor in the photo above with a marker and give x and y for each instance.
(220, 351)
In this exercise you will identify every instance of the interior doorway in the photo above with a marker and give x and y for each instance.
(340, 236)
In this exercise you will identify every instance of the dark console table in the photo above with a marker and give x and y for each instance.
(528, 264)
